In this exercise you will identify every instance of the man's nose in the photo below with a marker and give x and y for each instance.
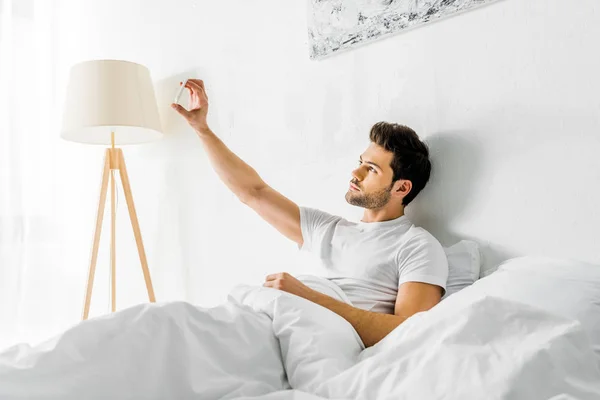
(356, 174)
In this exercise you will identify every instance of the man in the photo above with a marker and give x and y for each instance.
(387, 268)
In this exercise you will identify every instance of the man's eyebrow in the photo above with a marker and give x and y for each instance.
(370, 162)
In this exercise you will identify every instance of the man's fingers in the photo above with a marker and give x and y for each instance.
(181, 110)
(271, 277)
(278, 275)
(194, 91)
(197, 82)
(196, 85)
(193, 85)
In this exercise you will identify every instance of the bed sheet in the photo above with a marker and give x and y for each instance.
(262, 343)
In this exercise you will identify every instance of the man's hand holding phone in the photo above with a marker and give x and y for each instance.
(198, 106)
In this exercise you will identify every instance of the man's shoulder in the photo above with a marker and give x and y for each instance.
(318, 213)
(419, 238)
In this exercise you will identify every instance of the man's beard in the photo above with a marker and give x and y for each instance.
(370, 201)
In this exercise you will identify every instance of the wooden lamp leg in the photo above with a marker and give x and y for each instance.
(114, 164)
(135, 224)
(114, 160)
(113, 250)
(98, 231)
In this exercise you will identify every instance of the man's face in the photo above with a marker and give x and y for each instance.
(371, 183)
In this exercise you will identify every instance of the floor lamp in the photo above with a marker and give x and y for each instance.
(111, 102)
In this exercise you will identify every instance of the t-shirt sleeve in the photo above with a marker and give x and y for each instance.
(314, 223)
(422, 259)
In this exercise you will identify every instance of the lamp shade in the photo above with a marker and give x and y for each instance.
(105, 96)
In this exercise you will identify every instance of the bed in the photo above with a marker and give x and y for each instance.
(530, 330)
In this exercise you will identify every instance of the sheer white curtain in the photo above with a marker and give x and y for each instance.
(33, 270)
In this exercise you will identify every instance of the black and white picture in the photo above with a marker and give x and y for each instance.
(335, 25)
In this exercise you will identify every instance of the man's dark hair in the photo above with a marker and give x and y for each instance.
(411, 155)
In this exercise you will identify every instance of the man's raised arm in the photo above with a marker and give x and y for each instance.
(279, 211)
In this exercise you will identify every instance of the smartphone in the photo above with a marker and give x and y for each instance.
(179, 92)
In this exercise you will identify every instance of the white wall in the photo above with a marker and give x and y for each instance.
(507, 97)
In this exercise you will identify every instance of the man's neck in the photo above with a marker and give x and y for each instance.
(382, 214)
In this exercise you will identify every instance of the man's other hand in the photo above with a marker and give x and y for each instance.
(287, 283)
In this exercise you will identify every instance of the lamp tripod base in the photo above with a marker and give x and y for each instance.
(114, 161)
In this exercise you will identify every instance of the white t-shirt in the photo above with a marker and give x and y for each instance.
(370, 260)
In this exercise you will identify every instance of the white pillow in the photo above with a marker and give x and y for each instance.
(464, 264)
(565, 287)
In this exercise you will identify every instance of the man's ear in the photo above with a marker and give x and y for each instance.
(401, 187)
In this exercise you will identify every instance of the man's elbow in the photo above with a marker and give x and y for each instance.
(248, 198)
(251, 196)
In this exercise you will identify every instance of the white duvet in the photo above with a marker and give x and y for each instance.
(263, 343)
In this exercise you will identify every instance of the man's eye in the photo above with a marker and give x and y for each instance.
(372, 169)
